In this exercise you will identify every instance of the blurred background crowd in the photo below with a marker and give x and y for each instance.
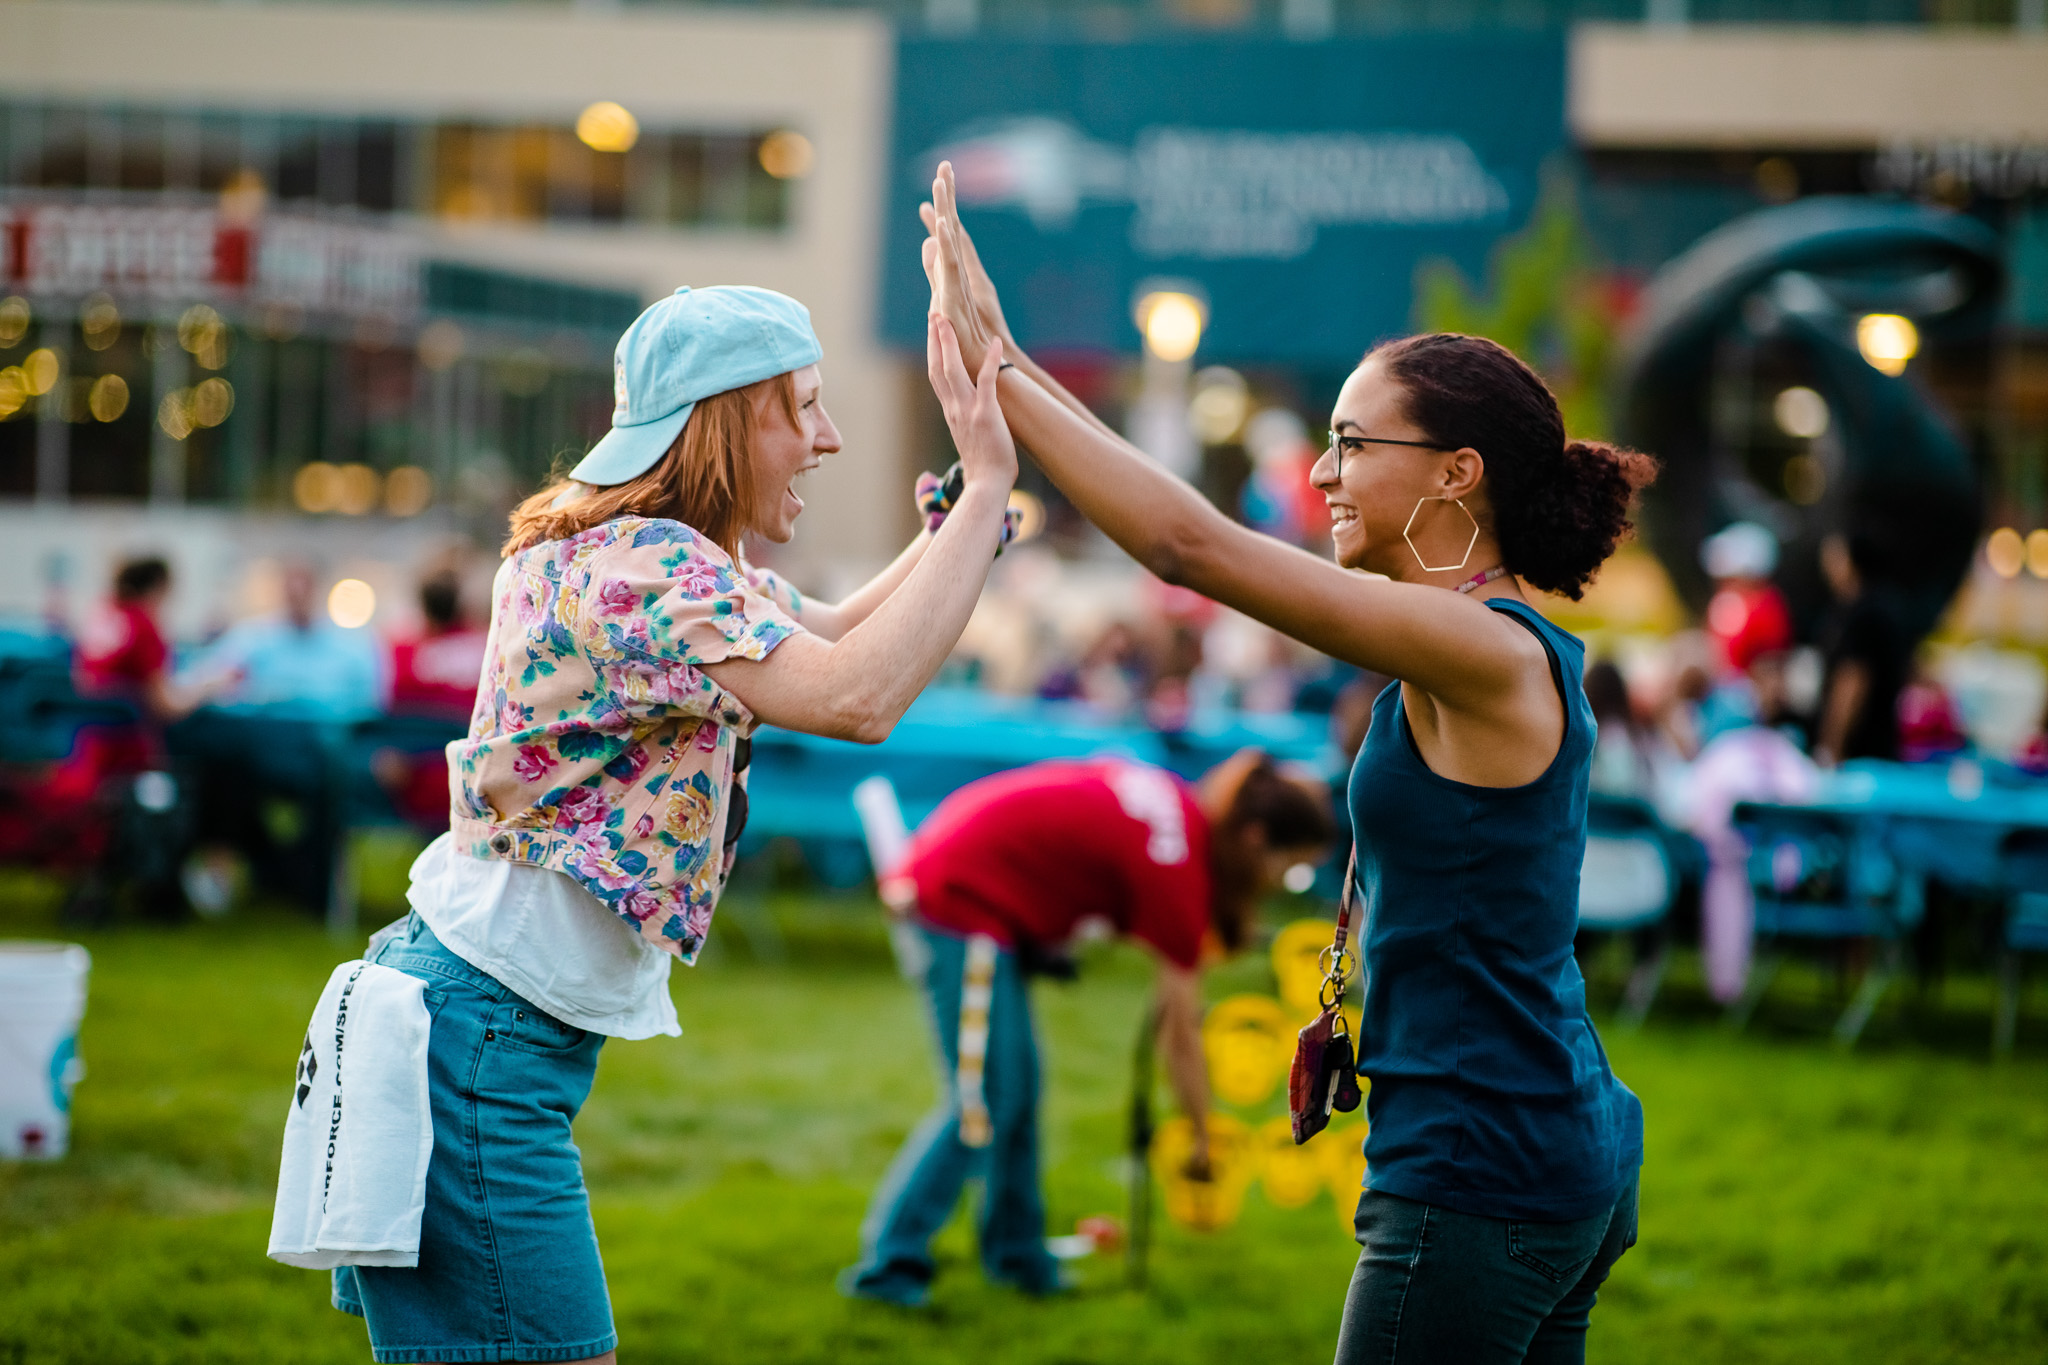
(295, 301)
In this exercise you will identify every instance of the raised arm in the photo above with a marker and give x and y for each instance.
(859, 686)
(1412, 631)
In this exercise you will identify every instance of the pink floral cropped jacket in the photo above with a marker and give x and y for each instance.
(598, 746)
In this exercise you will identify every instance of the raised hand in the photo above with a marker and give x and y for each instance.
(980, 288)
(947, 266)
(973, 412)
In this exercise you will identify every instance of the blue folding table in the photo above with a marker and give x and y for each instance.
(1900, 825)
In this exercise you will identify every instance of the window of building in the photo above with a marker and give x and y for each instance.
(474, 171)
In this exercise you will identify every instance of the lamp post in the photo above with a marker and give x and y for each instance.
(1170, 318)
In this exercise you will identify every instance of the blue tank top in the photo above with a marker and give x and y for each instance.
(1490, 1092)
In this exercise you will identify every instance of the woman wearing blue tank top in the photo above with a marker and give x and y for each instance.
(1502, 1158)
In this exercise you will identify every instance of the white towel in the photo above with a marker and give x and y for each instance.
(359, 1133)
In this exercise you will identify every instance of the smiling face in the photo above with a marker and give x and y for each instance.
(1376, 492)
(782, 452)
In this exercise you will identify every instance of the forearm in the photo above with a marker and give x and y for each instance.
(860, 686)
(1186, 1068)
(833, 620)
(1059, 391)
(1151, 514)
(1180, 1041)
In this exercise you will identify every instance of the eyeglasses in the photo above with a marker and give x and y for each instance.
(1341, 445)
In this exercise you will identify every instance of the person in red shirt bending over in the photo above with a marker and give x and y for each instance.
(1005, 872)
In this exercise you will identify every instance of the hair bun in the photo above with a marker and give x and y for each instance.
(1558, 506)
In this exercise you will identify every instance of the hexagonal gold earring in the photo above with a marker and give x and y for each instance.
(1441, 568)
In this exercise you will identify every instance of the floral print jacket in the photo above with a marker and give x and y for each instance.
(598, 746)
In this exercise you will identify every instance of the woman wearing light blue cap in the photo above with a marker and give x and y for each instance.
(599, 795)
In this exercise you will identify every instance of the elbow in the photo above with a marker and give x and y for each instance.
(1175, 555)
(872, 731)
(866, 722)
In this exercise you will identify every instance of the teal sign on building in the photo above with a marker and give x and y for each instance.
(1296, 185)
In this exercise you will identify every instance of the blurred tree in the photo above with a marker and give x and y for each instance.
(1547, 300)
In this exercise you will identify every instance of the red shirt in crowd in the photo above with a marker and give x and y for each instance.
(119, 653)
(1033, 852)
(120, 650)
(1749, 619)
(437, 673)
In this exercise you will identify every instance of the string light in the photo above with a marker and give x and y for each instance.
(607, 127)
(787, 155)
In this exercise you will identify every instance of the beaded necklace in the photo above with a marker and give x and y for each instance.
(1480, 580)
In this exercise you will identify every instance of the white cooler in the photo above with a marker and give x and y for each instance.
(42, 1003)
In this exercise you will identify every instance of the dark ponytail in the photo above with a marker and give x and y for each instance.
(1558, 507)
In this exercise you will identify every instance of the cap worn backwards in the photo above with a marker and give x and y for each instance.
(689, 346)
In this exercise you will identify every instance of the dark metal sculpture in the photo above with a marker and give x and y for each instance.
(1778, 293)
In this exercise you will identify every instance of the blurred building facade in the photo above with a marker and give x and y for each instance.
(343, 279)
(280, 277)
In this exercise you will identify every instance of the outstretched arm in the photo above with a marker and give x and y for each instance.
(1448, 645)
(859, 686)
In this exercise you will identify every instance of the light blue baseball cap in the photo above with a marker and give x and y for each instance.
(689, 346)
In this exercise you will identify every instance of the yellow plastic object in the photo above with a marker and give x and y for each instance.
(1249, 1044)
(1293, 1176)
(1204, 1205)
(1343, 1155)
(1297, 963)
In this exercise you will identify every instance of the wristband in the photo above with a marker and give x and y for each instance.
(1006, 365)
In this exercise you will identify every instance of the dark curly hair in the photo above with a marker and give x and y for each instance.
(1558, 507)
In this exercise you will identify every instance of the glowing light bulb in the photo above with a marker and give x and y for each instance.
(2005, 552)
(351, 603)
(1172, 324)
(1800, 412)
(607, 127)
(42, 370)
(407, 491)
(1887, 341)
(316, 487)
(1220, 405)
(2037, 552)
(108, 398)
(787, 155)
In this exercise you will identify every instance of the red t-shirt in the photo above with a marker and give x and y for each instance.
(437, 673)
(1033, 852)
(120, 649)
(1748, 620)
(119, 652)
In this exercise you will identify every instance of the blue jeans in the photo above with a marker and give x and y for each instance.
(1436, 1285)
(925, 1180)
(509, 1267)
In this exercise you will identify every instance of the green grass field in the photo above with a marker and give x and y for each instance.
(1798, 1204)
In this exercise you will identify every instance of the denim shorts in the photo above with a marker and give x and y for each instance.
(508, 1267)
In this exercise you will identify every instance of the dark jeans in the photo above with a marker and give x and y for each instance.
(1434, 1285)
